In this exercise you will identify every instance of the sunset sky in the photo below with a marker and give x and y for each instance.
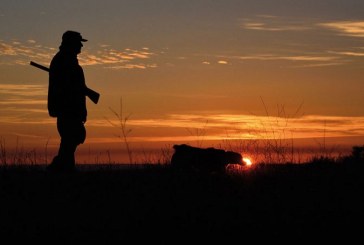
(189, 70)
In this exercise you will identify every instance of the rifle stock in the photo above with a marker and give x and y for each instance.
(91, 94)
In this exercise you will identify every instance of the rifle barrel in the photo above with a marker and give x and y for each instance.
(39, 66)
(93, 95)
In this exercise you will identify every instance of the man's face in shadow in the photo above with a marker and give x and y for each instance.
(78, 47)
(74, 48)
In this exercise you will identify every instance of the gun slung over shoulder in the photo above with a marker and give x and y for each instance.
(93, 95)
(39, 66)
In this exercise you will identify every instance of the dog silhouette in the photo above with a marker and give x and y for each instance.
(203, 159)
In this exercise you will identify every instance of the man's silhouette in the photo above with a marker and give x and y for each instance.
(67, 100)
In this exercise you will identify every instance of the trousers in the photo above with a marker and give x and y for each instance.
(72, 133)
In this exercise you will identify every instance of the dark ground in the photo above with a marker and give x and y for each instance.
(155, 203)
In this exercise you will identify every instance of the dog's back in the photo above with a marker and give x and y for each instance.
(210, 159)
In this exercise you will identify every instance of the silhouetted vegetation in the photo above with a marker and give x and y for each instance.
(321, 199)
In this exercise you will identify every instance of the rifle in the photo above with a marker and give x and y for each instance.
(93, 95)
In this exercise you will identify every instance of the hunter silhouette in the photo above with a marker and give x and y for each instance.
(67, 100)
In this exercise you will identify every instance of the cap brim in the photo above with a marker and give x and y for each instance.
(84, 40)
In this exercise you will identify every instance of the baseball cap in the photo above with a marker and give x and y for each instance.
(72, 36)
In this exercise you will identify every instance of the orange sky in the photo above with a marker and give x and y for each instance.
(190, 71)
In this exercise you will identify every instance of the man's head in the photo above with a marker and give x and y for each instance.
(72, 41)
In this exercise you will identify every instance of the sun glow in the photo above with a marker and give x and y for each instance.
(247, 161)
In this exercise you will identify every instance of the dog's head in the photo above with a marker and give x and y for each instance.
(234, 157)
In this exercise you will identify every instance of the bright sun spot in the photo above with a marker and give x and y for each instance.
(247, 161)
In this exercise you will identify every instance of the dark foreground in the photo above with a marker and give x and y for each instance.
(270, 202)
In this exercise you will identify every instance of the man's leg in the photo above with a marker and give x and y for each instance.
(66, 153)
(72, 134)
(65, 160)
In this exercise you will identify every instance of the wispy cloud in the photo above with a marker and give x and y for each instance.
(133, 66)
(119, 59)
(312, 28)
(23, 95)
(353, 28)
(218, 127)
(346, 28)
(320, 64)
(26, 120)
(306, 60)
(284, 57)
(233, 126)
(23, 103)
(348, 53)
(22, 90)
(25, 110)
(259, 26)
(16, 52)
(275, 24)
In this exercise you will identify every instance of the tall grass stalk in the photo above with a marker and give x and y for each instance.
(278, 145)
(3, 157)
(163, 156)
(199, 133)
(46, 152)
(124, 130)
(274, 141)
(19, 155)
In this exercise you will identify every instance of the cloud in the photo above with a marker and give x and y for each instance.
(186, 127)
(320, 64)
(16, 52)
(259, 26)
(307, 58)
(133, 66)
(312, 60)
(22, 120)
(22, 90)
(275, 24)
(234, 126)
(23, 102)
(26, 110)
(348, 53)
(281, 57)
(280, 24)
(311, 28)
(346, 28)
(118, 59)
(6, 49)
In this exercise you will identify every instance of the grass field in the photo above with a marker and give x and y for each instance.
(154, 202)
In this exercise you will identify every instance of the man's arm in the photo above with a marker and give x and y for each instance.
(93, 95)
